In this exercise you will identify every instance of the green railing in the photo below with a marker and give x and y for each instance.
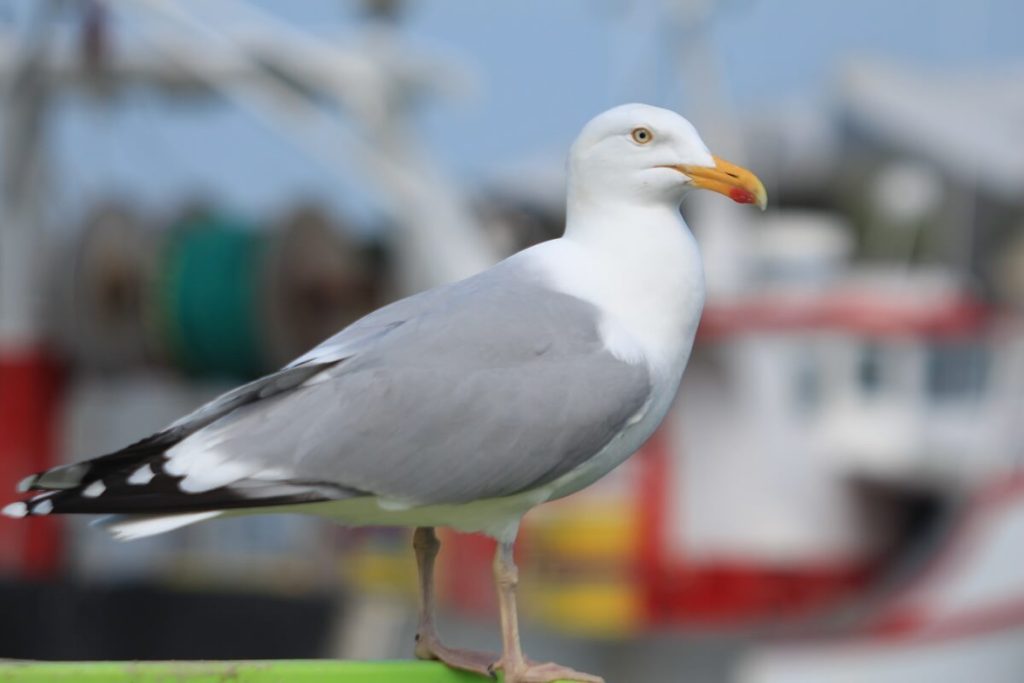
(278, 671)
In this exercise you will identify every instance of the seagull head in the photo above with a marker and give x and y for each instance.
(636, 152)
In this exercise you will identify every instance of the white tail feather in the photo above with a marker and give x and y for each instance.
(131, 527)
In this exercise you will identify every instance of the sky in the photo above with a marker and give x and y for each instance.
(539, 70)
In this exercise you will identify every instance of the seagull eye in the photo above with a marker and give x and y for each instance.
(642, 136)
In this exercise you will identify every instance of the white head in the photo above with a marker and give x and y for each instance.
(639, 153)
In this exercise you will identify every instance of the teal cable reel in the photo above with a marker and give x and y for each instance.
(208, 291)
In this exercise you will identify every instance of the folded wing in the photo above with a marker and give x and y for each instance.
(477, 390)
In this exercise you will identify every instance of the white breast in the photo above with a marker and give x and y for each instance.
(647, 280)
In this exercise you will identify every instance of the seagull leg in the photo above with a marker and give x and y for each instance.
(518, 669)
(428, 642)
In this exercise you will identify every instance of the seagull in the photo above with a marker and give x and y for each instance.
(463, 406)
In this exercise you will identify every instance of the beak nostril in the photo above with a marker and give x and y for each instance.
(731, 175)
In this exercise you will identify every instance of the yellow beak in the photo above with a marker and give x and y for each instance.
(727, 178)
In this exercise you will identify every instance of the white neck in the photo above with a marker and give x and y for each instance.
(640, 265)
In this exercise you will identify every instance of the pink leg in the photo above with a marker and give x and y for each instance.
(517, 668)
(428, 642)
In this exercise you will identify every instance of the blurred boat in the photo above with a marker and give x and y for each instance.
(959, 618)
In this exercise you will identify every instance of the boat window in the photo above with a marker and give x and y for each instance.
(957, 369)
(869, 371)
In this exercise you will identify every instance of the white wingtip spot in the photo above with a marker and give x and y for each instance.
(25, 484)
(141, 476)
(43, 507)
(15, 510)
(95, 489)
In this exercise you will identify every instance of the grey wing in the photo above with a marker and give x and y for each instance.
(497, 387)
(480, 389)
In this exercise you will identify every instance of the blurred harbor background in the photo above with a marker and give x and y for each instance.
(194, 193)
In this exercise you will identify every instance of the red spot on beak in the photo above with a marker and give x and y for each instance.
(741, 196)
